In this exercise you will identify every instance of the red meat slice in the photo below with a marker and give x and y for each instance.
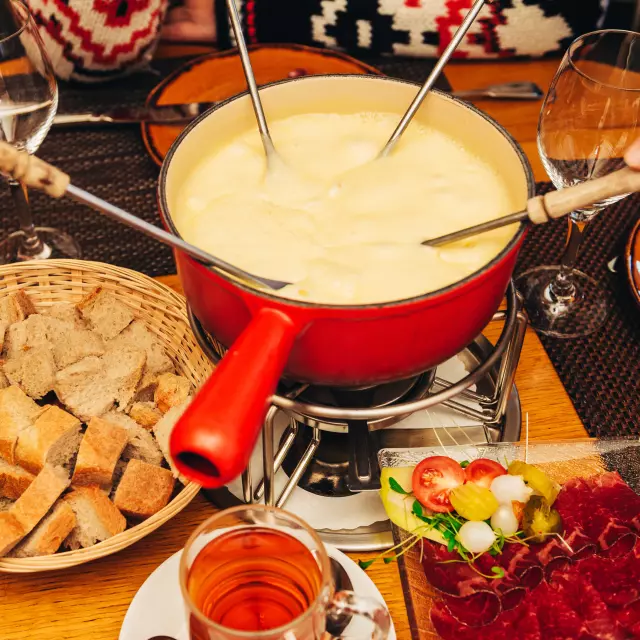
(607, 531)
(518, 624)
(447, 573)
(477, 610)
(583, 598)
(558, 621)
(521, 562)
(616, 580)
(628, 618)
(581, 544)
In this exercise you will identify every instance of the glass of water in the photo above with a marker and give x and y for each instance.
(590, 116)
(28, 103)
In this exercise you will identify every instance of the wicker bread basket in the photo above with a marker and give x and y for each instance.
(164, 312)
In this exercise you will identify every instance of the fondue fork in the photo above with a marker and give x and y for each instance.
(555, 204)
(36, 173)
(263, 127)
(433, 77)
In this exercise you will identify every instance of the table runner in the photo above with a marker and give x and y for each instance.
(600, 372)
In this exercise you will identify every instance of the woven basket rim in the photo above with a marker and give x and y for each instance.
(126, 278)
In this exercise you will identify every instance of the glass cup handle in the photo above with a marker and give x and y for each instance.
(347, 603)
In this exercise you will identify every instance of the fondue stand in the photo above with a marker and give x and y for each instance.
(324, 441)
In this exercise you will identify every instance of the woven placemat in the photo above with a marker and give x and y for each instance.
(600, 372)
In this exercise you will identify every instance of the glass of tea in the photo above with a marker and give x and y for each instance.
(260, 572)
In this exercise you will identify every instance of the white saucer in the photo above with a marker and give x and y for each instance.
(158, 609)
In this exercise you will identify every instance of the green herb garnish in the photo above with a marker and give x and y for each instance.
(395, 486)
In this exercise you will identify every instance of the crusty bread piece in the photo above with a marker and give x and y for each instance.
(54, 437)
(14, 480)
(66, 312)
(85, 389)
(34, 371)
(143, 490)
(146, 414)
(6, 504)
(17, 412)
(15, 307)
(4, 381)
(56, 329)
(36, 501)
(97, 518)
(100, 450)
(11, 532)
(124, 366)
(3, 332)
(141, 445)
(138, 335)
(162, 432)
(75, 345)
(47, 537)
(105, 313)
(172, 390)
(25, 335)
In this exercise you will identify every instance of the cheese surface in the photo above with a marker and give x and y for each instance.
(343, 226)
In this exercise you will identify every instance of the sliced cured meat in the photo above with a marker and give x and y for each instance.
(517, 624)
(628, 618)
(513, 597)
(446, 573)
(607, 530)
(616, 580)
(583, 598)
(477, 610)
(554, 548)
(581, 544)
(558, 621)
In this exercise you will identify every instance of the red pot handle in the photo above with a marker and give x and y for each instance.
(212, 442)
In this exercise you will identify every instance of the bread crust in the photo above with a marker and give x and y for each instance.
(172, 391)
(40, 496)
(14, 481)
(143, 490)
(100, 449)
(47, 537)
(35, 443)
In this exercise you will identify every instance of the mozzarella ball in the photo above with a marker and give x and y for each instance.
(505, 520)
(476, 536)
(508, 488)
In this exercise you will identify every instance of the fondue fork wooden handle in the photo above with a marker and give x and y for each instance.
(36, 173)
(556, 204)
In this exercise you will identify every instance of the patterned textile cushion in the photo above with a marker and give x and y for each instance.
(505, 28)
(94, 40)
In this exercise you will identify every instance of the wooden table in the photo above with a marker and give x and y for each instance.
(90, 601)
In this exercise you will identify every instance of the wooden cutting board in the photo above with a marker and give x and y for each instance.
(219, 76)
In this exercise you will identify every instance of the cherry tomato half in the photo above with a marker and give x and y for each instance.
(482, 472)
(432, 481)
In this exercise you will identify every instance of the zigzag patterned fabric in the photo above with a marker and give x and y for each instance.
(504, 29)
(94, 40)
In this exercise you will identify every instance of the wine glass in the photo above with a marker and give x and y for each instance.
(588, 119)
(28, 103)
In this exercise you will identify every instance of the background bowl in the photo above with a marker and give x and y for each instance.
(164, 312)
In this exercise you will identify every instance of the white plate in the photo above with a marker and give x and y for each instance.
(157, 608)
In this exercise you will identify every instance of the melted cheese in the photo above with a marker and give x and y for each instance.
(342, 226)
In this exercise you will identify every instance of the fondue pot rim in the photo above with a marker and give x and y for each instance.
(265, 293)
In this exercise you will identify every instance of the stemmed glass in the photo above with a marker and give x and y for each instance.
(589, 118)
(28, 103)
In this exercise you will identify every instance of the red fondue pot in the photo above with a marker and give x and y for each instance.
(269, 336)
